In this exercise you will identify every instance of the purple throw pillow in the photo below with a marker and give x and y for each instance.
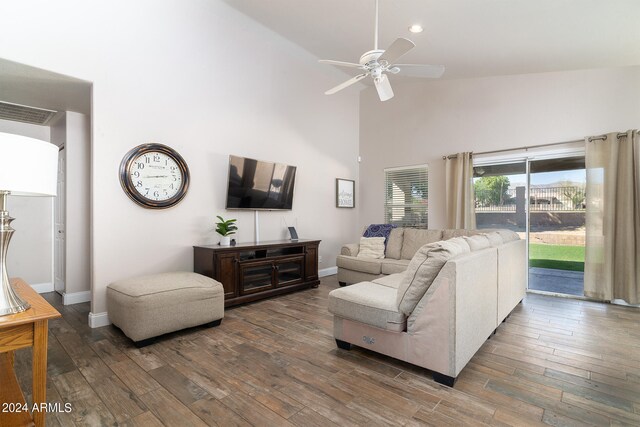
(379, 230)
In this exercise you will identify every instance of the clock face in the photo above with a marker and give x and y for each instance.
(154, 176)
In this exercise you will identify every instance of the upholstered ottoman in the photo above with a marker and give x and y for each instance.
(145, 307)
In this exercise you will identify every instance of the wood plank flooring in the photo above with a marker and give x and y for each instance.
(274, 363)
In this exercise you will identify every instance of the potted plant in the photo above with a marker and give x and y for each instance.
(225, 229)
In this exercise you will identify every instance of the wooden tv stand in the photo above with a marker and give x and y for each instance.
(253, 271)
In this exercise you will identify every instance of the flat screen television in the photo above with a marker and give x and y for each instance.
(257, 185)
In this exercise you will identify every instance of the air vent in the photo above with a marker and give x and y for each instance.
(23, 113)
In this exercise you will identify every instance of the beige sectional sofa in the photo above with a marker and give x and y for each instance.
(438, 312)
(402, 245)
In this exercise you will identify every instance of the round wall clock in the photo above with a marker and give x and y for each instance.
(154, 176)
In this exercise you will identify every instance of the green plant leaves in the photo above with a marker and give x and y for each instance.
(225, 228)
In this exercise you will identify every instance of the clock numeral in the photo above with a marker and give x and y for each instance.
(156, 194)
(139, 184)
(140, 165)
(174, 178)
(146, 159)
(171, 186)
(156, 158)
(136, 174)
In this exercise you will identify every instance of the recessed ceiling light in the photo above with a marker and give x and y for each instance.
(416, 28)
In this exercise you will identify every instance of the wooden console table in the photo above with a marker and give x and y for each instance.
(26, 329)
(253, 271)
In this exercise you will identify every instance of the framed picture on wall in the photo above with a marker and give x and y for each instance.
(345, 193)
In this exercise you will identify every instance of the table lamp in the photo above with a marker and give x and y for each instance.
(28, 167)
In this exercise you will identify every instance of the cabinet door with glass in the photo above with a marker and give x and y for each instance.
(256, 277)
(290, 271)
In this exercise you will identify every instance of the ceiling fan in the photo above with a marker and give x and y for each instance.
(377, 63)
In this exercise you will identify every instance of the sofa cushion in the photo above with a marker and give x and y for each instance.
(368, 303)
(371, 247)
(391, 266)
(423, 269)
(392, 280)
(508, 235)
(365, 265)
(495, 239)
(415, 238)
(394, 243)
(477, 243)
(461, 243)
(458, 232)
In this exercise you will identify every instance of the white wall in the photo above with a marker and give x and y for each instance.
(429, 119)
(209, 82)
(31, 249)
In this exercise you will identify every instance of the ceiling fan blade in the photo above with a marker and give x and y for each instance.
(384, 88)
(346, 84)
(340, 63)
(397, 49)
(419, 70)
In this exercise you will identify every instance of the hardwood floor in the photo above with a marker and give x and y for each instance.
(274, 363)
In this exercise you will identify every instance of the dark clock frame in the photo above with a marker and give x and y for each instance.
(127, 183)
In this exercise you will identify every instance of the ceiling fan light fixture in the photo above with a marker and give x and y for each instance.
(381, 63)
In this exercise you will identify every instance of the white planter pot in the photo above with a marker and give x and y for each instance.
(225, 240)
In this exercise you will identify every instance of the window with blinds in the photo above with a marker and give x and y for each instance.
(406, 201)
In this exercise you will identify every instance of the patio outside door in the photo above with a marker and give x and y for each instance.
(557, 225)
(543, 201)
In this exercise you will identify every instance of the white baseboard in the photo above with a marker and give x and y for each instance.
(43, 287)
(97, 320)
(76, 297)
(328, 271)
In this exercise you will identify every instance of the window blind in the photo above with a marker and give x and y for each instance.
(407, 196)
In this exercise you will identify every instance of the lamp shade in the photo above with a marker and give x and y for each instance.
(28, 166)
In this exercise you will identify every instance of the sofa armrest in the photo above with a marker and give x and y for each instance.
(512, 276)
(350, 249)
(458, 312)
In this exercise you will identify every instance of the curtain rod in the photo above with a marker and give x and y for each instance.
(590, 139)
(604, 137)
(453, 156)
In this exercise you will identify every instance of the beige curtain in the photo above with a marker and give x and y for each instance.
(460, 197)
(612, 265)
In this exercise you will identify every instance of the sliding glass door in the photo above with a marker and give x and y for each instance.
(543, 200)
(557, 225)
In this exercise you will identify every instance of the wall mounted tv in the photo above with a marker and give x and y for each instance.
(258, 185)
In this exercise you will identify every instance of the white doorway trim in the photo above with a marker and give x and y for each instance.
(59, 226)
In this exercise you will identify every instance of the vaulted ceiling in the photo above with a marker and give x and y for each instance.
(472, 38)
